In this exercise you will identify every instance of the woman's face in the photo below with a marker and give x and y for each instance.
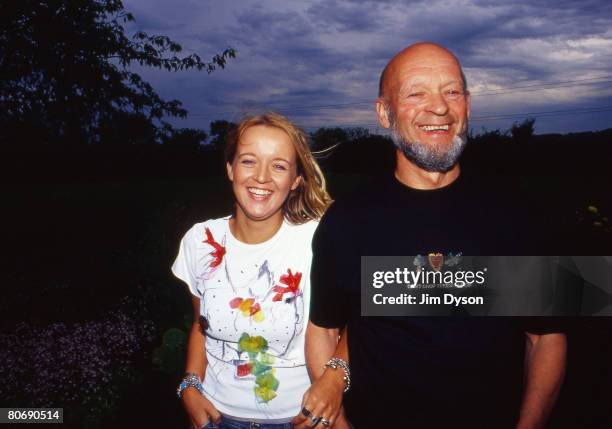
(263, 172)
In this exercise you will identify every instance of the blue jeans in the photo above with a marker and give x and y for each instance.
(227, 423)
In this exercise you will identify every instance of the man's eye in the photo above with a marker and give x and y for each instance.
(415, 94)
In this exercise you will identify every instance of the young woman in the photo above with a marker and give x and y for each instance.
(249, 277)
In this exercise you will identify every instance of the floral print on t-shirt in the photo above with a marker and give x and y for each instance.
(260, 302)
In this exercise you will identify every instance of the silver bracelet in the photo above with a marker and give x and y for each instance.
(335, 363)
(190, 380)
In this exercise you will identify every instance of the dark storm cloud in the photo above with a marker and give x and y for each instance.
(335, 15)
(256, 25)
(322, 52)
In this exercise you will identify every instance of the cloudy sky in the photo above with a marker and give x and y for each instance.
(319, 61)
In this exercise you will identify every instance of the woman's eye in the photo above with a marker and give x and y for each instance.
(247, 162)
(280, 167)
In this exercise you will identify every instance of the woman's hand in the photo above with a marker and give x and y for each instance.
(199, 409)
(322, 400)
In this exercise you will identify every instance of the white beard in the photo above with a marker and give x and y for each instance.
(429, 158)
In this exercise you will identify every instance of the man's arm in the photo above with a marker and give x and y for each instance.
(321, 345)
(324, 398)
(544, 372)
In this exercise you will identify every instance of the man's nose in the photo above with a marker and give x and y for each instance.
(437, 104)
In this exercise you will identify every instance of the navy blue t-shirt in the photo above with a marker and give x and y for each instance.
(424, 371)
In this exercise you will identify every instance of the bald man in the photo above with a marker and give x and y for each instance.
(417, 372)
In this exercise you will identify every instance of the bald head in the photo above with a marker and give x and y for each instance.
(423, 53)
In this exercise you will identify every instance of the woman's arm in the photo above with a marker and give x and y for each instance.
(199, 409)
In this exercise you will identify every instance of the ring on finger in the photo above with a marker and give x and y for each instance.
(315, 421)
(325, 422)
(306, 412)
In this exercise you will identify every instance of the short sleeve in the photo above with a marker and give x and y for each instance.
(328, 306)
(184, 266)
(542, 325)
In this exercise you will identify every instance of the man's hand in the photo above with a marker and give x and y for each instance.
(322, 400)
(199, 409)
(341, 421)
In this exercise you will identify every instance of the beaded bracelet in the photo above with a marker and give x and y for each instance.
(335, 363)
(190, 380)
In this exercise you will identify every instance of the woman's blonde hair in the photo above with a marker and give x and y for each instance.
(310, 199)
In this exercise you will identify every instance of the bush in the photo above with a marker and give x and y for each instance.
(82, 367)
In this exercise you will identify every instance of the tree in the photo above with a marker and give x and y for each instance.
(523, 132)
(186, 139)
(218, 132)
(66, 78)
(489, 138)
(326, 137)
(357, 133)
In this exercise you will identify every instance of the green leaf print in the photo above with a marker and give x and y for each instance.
(259, 368)
(267, 380)
(265, 394)
(260, 365)
(252, 344)
(266, 358)
(267, 385)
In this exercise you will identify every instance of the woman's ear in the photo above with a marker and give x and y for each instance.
(296, 182)
(230, 171)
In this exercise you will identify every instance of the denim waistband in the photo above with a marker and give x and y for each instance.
(260, 421)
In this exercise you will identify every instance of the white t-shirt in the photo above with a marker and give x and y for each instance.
(255, 299)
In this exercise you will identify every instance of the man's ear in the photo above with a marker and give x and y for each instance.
(230, 171)
(296, 182)
(382, 113)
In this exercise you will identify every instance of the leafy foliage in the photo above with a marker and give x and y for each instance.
(170, 356)
(523, 131)
(219, 130)
(84, 366)
(326, 137)
(66, 74)
(186, 139)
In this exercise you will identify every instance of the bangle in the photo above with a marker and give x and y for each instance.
(189, 380)
(335, 363)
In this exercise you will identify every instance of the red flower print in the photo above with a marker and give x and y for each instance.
(255, 308)
(234, 303)
(293, 285)
(244, 369)
(218, 252)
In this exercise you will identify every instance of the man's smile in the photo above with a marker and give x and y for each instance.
(434, 127)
